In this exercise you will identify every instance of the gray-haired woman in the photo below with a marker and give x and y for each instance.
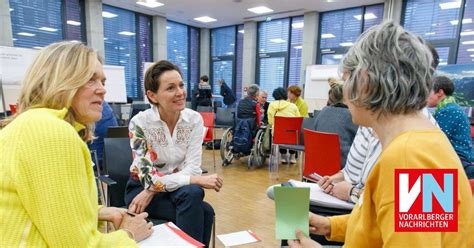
(388, 80)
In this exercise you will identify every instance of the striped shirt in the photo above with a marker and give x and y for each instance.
(364, 152)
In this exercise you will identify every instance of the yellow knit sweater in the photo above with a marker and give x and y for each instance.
(48, 195)
(371, 223)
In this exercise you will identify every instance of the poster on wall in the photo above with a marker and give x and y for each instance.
(463, 79)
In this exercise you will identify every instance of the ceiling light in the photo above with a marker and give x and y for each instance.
(205, 19)
(260, 10)
(467, 33)
(327, 50)
(75, 41)
(443, 63)
(278, 40)
(470, 50)
(14, 39)
(11, 9)
(464, 21)
(367, 16)
(26, 34)
(298, 25)
(168, 27)
(126, 33)
(469, 42)
(105, 38)
(48, 29)
(149, 3)
(450, 5)
(430, 33)
(241, 31)
(38, 47)
(325, 36)
(108, 14)
(74, 23)
(337, 56)
(298, 47)
(472, 55)
(346, 44)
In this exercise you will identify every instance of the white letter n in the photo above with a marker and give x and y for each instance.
(407, 197)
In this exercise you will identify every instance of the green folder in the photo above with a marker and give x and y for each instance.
(292, 208)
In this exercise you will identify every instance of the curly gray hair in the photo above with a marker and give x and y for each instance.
(390, 71)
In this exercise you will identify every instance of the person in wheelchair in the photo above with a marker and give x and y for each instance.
(247, 122)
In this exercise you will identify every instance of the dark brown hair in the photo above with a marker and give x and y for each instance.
(153, 74)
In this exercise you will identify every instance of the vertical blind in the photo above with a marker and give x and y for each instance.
(296, 46)
(447, 24)
(341, 28)
(239, 60)
(194, 57)
(127, 42)
(177, 46)
(222, 56)
(36, 24)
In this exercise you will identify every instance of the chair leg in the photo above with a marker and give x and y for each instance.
(214, 233)
(213, 150)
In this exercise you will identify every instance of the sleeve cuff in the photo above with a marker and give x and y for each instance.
(338, 228)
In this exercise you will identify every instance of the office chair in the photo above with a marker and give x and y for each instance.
(137, 108)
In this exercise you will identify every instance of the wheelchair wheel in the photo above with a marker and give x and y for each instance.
(257, 157)
(226, 150)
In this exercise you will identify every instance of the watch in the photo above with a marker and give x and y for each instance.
(354, 194)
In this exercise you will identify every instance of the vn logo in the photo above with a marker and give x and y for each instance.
(426, 200)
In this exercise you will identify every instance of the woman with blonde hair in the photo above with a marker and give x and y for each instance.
(48, 191)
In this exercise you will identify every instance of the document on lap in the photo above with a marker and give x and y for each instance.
(318, 197)
(169, 235)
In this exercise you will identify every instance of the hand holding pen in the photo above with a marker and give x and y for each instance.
(137, 226)
(326, 182)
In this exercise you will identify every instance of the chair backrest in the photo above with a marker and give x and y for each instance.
(13, 108)
(117, 110)
(117, 132)
(208, 118)
(308, 123)
(322, 153)
(471, 182)
(137, 107)
(201, 109)
(117, 160)
(286, 130)
(316, 113)
(224, 117)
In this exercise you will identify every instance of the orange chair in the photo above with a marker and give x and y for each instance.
(286, 131)
(322, 154)
(13, 108)
(208, 118)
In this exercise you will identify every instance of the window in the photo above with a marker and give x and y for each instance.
(222, 57)
(127, 42)
(341, 28)
(183, 50)
(36, 24)
(279, 53)
(446, 24)
(239, 60)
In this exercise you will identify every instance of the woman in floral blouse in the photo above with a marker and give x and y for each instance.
(166, 140)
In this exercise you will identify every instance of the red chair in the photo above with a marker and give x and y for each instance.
(322, 154)
(208, 118)
(471, 182)
(286, 131)
(13, 108)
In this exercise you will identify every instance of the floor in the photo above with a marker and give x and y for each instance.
(242, 203)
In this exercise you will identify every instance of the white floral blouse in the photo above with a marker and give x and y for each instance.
(164, 161)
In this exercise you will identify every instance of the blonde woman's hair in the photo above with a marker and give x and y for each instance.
(335, 94)
(54, 77)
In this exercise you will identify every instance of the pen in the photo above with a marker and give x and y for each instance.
(133, 215)
(317, 177)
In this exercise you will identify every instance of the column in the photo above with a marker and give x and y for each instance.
(249, 55)
(160, 34)
(95, 26)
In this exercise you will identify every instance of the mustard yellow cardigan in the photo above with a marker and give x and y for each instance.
(48, 195)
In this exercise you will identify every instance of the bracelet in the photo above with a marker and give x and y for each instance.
(130, 234)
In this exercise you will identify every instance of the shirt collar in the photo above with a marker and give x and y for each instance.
(77, 126)
(182, 116)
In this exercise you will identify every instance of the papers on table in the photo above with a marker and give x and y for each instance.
(318, 197)
(292, 208)
(238, 238)
(169, 235)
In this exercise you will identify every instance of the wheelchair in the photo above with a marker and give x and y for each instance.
(256, 156)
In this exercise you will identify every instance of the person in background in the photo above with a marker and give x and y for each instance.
(165, 175)
(108, 120)
(294, 96)
(249, 107)
(386, 90)
(48, 192)
(226, 92)
(262, 99)
(453, 121)
(204, 92)
(336, 118)
(281, 107)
